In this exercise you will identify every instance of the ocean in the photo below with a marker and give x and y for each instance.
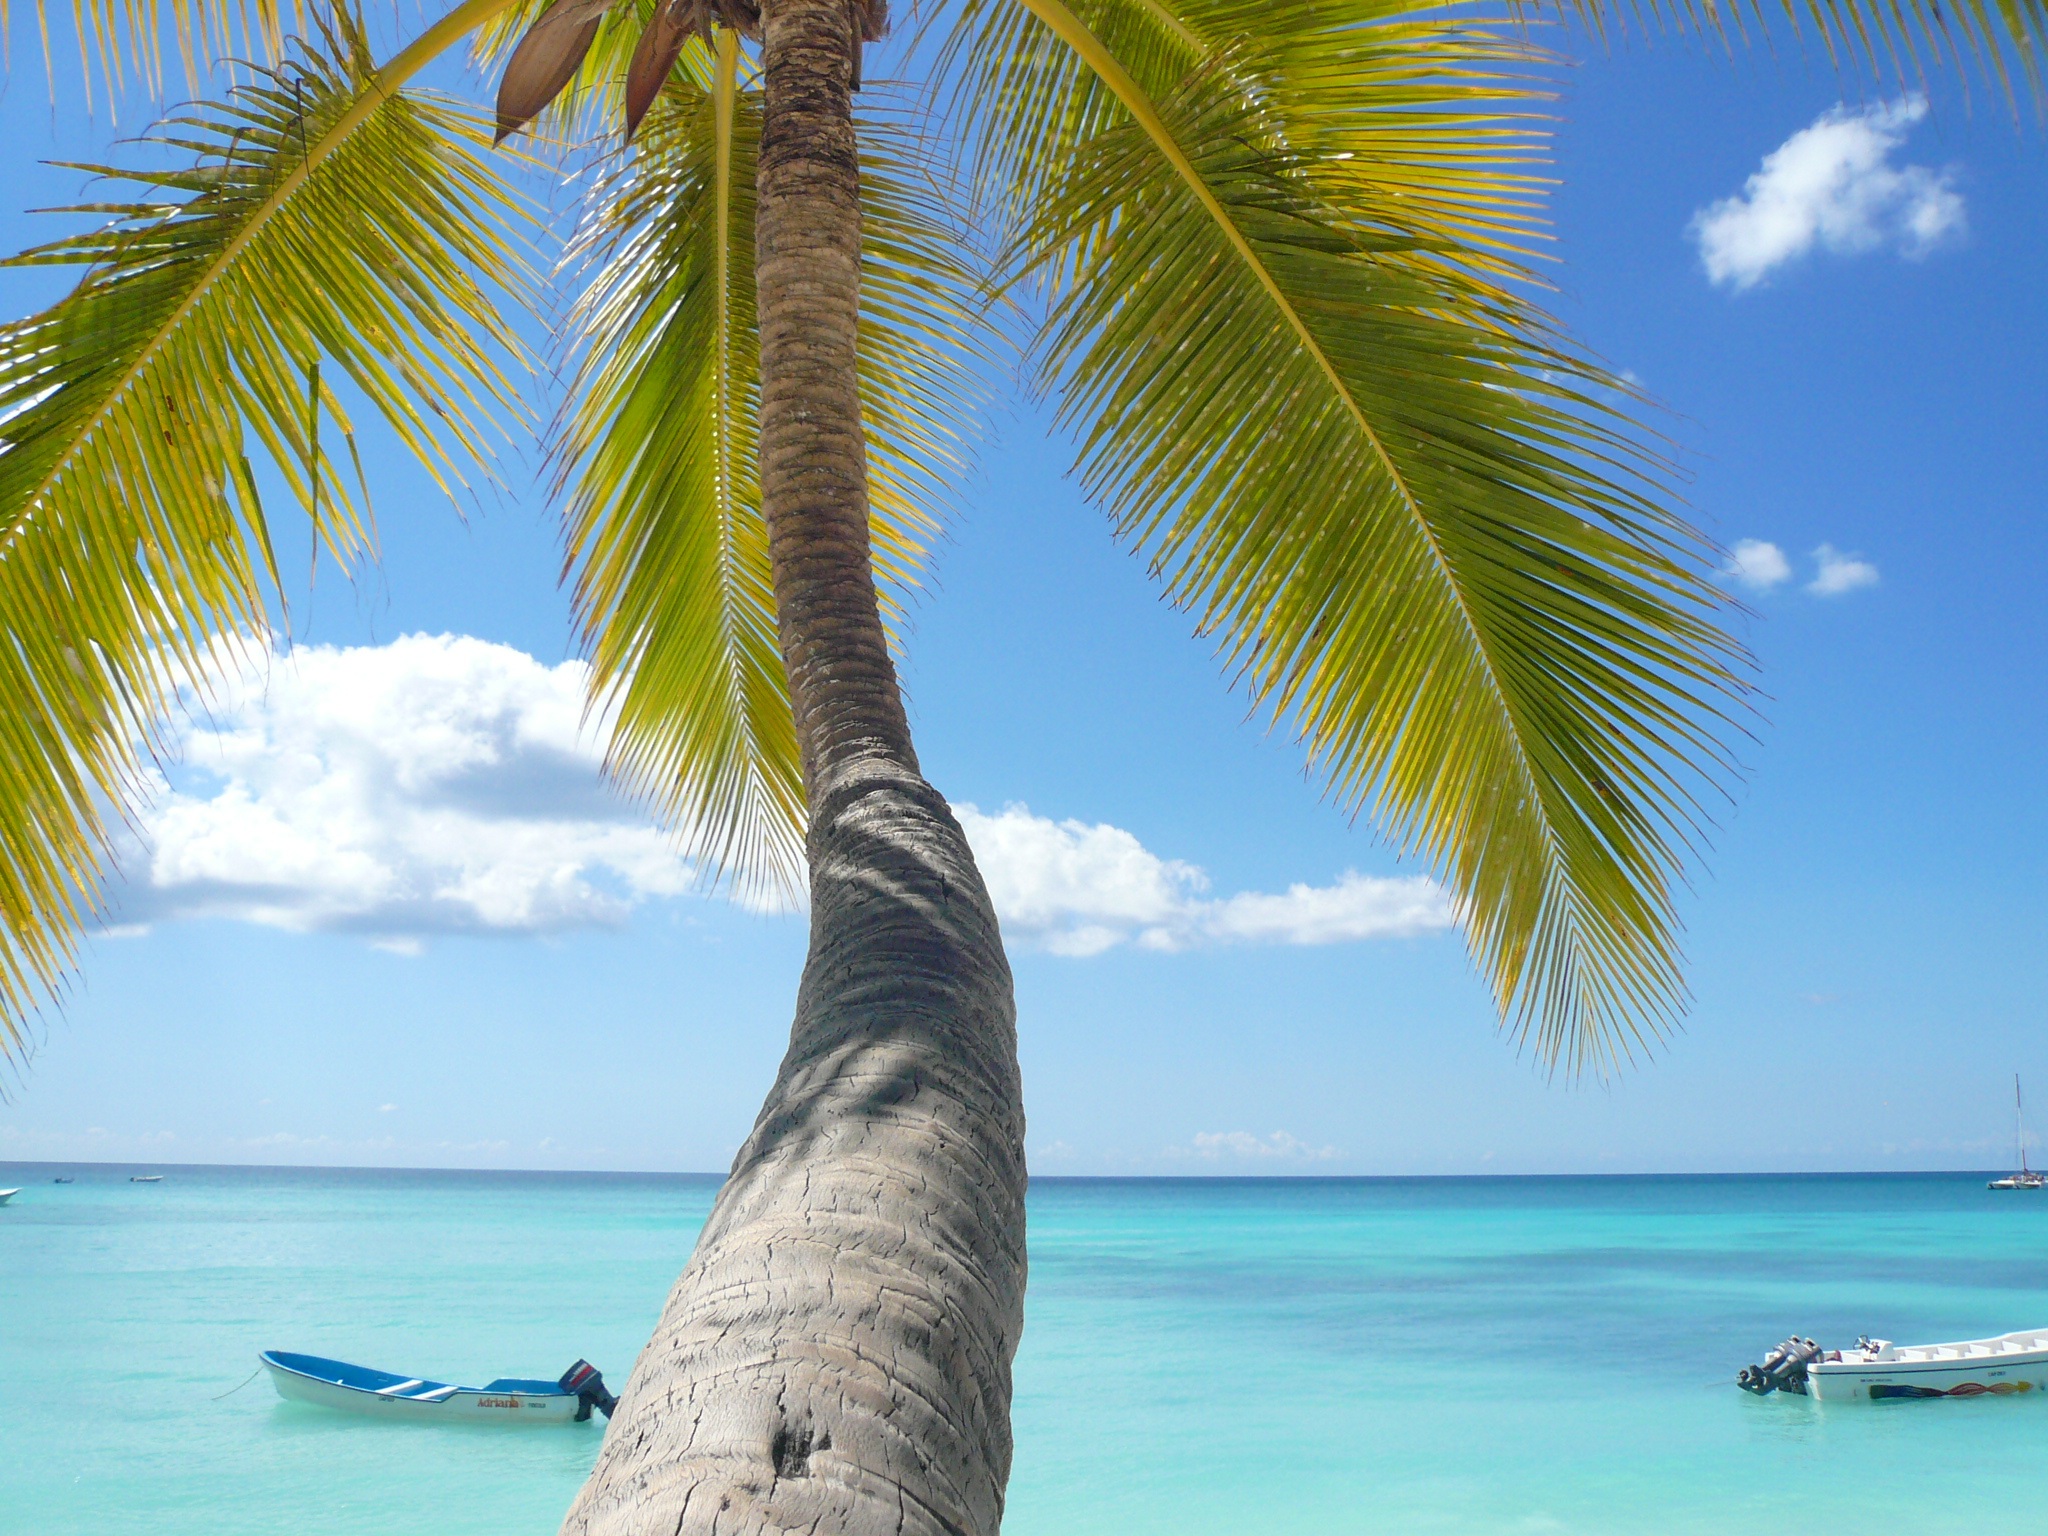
(1201, 1357)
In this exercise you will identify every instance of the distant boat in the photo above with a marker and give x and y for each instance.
(145, 1178)
(63, 1181)
(8, 1194)
(2026, 1178)
(508, 1400)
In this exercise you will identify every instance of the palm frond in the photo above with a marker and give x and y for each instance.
(1282, 251)
(673, 588)
(322, 227)
(124, 41)
(1897, 38)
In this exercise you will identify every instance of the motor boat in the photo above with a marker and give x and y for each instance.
(358, 1388)
(1874, 1370)
(8, 1194)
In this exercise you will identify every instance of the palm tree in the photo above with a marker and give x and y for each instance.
(1274, 259)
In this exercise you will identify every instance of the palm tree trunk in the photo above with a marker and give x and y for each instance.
(836, 1358)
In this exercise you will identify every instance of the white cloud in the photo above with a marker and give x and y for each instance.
(1831, 184)
(1243, 1146)
(1839, 573)
(1077, 889)
(444, 784)
(1761, 566)
(1356, 907)
(436, 784)
(1758, 565)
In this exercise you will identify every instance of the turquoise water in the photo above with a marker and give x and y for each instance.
(1201, 1357)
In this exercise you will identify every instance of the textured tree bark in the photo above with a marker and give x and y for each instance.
(836, 1358)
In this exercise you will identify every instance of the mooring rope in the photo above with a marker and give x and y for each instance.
(231, 1391)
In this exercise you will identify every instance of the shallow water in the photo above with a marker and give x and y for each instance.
(1201, 1356)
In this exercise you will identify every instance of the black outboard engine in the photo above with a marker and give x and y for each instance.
(1783, 1370)
(583, 1379)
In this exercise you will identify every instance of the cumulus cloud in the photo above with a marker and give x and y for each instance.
(1077, 889)
(1839, 573)
(1758, 565)
(442, 784)
(1832, 185)
(1243, 1146)
(435, 784)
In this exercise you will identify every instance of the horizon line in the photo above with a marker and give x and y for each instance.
(1078, 1178)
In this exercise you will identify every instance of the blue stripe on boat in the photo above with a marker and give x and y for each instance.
(363, 1379)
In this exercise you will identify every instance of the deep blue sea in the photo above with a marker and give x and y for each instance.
(1201, 1356)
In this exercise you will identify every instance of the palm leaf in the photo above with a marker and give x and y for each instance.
(1896, 37)
(673, 588)
(1281, 251)
(125, 38)
(322, 227)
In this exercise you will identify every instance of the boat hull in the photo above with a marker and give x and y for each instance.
(7, 1195)
(353, 1389)
(2011, 1365)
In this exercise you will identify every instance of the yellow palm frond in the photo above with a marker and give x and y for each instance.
(322, 227)
(123, 42)
(1282, 254)
(1900, 38)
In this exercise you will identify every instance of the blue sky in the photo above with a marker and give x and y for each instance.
(1863, 942)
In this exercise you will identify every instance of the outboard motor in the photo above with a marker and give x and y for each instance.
(583, 1379)
(1783, 1370)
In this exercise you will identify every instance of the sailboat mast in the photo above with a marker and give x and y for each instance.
(2019, 1123)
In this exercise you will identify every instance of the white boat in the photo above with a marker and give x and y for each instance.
(8, 1194)
(2026, 1178)
(337, 1384)
(2010, 1364)
(145, 1178)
